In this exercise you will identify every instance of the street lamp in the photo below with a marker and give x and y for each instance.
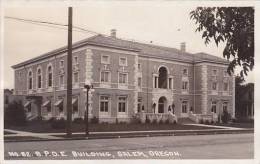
(87, 87)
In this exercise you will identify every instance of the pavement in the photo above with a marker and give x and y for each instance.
(220, 146)
(125, 134)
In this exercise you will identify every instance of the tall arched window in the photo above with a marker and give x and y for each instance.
(39, 78)
(162, 80)
(30, 80)
(49, 76)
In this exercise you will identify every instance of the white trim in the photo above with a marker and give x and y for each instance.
(104, 114)
(47, 75)
(122, 114)
(30, 70)
(112, 50)
(121, 64)
(123, 85)
(103, 62)
(165, 61)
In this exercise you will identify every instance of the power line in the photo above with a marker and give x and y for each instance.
(43, 23)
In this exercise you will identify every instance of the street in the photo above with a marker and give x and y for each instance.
(222, 146)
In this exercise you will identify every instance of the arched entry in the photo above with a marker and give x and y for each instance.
(162, 104)
(162, 81)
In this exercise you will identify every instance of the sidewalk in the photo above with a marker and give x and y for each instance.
(123, 134)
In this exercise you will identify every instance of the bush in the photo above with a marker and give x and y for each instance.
(225, 117)
(78, 120)
(167, 121)
(154, 121)
(15, 114)
(147, 120)
(174, 122)
(58, 123)
(207, 122)
(135, 120)
(161, 121)
(94, 120)
(201, 121)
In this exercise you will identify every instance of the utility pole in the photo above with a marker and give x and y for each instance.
(69, 75)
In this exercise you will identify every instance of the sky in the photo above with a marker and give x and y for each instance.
(166, 24)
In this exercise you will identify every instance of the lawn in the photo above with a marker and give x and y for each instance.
(237, 125)
(45, 127)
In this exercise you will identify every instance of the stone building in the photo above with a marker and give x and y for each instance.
(128, 78)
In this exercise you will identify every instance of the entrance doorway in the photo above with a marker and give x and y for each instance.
(162, 103)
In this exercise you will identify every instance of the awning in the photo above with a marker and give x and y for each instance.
(58, 103)
(46, 103)
(27, 104)
(74, 100)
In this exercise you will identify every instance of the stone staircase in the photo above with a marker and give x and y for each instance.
(185, 120)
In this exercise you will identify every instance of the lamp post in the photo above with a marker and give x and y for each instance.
(87, 87)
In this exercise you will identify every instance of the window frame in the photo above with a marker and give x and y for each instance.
(105, 62)
(184, 102)
(121, 64)
(126, 80)
(214, 104)
(122, 101)
(39, 81)
(104, 101)
(108, 76)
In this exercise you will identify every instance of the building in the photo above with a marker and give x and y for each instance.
(128, 77)
(245, 101)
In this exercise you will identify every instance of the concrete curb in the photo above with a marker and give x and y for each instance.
(135, 135)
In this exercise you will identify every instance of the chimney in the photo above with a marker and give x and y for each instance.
(183, 46)
(113, 33)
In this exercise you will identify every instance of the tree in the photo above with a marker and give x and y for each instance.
(15, 114)
(233, 26)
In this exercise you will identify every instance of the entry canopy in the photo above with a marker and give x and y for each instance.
(46, 103)
(27, 104)
(58, 103)
(74, 100)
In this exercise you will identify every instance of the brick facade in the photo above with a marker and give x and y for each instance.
(188, 80)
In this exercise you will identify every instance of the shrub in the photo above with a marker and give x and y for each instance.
(78, 120)
(147, 120)
(15, 114)
(154, 121)
(94, 120)
(167, 121)
(58, 123)
(207, 122)
(135, 120)
(174, 122)
(161, 121)
(225, 117)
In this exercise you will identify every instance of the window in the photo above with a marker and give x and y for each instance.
(104, 77)
(170, 83)
(62, 64)
(225, 86)
(139, 105)
(122, 104)
(49, 70)
(75, 60)
(39, 78)
(225, 73)
(105, 59)
(139, 67)
(75, 105)
(155, 81)
(214, 107)
(122, 61)
(185, 85)
(214, 86)
(214, 72)
(104, 101)
(225, 106)
(30, 76)
(61, 80)
(139, 82)
(163, 76)
(185, 72)
(122, 78)
(184, 106)
(75, 77)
